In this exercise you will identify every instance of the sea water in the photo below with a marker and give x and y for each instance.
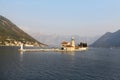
(93, 64)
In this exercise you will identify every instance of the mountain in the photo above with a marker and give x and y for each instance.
(11, 35)
(55, 40)
(108, 40)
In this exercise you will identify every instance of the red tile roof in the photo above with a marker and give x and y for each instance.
(68, 46)
(64, 42)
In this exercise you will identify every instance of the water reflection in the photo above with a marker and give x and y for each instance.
(69, 53)
(69, 57)
(21, 56)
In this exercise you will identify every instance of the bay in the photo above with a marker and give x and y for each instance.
(93, 64)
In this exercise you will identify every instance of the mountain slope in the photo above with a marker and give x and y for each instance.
(11, 34)
(108, 40)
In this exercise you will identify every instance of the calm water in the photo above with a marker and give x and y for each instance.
(93, 64)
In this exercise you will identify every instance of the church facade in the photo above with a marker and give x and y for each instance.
(68, 46)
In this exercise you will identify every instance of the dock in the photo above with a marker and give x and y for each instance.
(40, 50)
(48, 50)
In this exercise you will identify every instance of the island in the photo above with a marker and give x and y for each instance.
(65, 47)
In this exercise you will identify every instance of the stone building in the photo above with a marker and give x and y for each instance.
(68, 46)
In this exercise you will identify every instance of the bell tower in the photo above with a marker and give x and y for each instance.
(72, 42)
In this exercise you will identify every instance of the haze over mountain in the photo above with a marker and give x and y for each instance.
(55, 40)
(11, 35)
(108, 40)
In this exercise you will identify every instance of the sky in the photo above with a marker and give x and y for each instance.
(64, 17)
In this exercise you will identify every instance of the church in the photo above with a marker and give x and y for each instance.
(68, 46)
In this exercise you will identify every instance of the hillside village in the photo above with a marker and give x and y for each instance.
(13, 42)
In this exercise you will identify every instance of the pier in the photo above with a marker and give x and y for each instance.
(47, 50)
